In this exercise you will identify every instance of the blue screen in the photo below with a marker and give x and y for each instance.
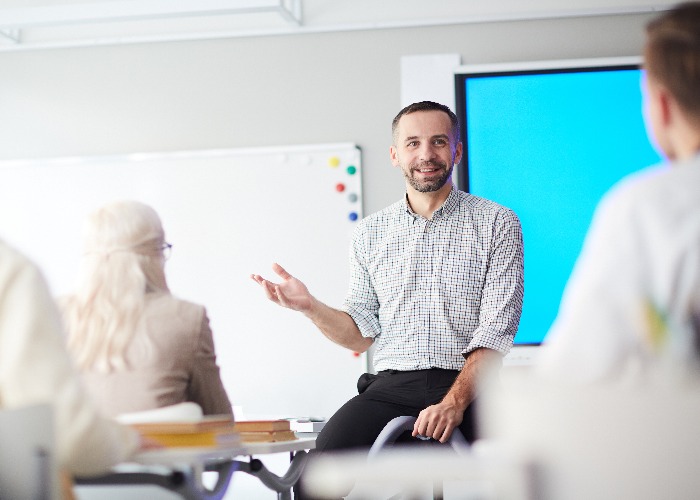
(548, 145)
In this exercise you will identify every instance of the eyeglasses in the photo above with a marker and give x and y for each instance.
(167, 250)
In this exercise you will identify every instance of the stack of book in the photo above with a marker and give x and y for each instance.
(210, 431)
(257, 431)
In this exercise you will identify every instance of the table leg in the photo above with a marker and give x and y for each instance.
(281, 484)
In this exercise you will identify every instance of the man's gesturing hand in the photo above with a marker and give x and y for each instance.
(290, 293)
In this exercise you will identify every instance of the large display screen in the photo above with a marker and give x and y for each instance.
(548, 140)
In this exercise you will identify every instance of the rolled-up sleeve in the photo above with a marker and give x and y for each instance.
(502, 296)
(361, 302)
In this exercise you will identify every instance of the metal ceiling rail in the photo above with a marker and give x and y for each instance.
(16, 22)
(9, 35)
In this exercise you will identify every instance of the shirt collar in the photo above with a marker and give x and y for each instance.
(445, 210)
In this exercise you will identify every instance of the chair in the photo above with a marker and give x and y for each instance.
(27, 465)
(397, 426)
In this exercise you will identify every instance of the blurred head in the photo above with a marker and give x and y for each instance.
(123, 262)
(672, 64)
(127, 238)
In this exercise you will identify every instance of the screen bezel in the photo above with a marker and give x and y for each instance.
(463, 73)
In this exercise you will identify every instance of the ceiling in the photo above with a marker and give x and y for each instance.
(40, 24)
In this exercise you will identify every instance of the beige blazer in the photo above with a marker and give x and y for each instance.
(171, 359)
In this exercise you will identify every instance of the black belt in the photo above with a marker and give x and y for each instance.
(394, 372)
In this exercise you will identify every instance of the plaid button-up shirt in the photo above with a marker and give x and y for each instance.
(429, 291)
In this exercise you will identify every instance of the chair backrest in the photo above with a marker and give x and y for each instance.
(397, 426)
(599, 442)
(27, 461)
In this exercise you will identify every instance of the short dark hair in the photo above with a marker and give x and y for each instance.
(672, 55)
(426, 106)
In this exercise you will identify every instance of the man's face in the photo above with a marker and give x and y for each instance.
(425, 150)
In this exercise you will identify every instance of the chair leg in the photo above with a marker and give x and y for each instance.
(390, 433)
(396, 427)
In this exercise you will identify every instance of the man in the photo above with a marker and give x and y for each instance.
(633, 301)
(436, 278)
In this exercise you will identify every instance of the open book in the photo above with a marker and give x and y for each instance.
(184, 425)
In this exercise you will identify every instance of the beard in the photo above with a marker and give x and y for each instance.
(431, 185)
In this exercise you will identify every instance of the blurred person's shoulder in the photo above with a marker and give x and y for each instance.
(170, 305)
(14, 263)
(657, 182)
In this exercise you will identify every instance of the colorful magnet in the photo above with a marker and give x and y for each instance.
(340, 187)
(352, 216)
(351, 170)
(333, 161)
(352, 197)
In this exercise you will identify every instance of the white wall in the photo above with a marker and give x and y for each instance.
(276, 90)
(262, 91)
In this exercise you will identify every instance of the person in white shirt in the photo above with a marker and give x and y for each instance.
(35, 368)
(632, 303)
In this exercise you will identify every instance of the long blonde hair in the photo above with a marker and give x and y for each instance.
(122, 262)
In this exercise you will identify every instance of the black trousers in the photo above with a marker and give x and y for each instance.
(381, 398)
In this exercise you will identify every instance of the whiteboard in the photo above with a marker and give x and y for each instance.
(228, 214)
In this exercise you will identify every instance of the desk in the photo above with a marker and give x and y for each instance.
(180, 469)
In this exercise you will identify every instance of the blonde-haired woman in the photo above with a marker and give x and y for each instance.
(137, 346)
